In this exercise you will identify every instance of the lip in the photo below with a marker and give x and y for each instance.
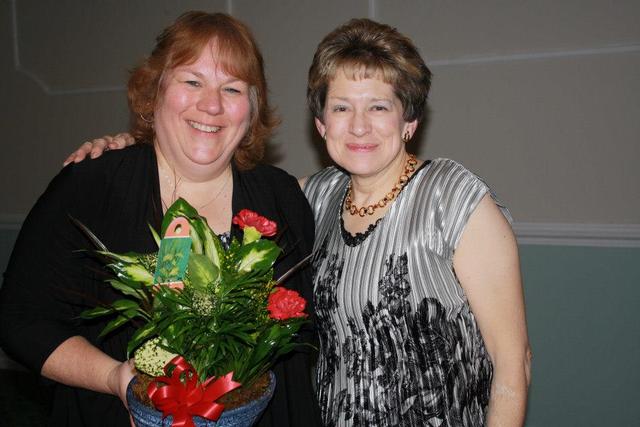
(362, 148)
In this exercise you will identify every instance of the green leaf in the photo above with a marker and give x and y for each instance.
(258, 256)
(129, 288)
(141, 335)
(128, 258)
(132, 312)
(250, 234)
(124, 304)
(168, 297)
(134, 272)
(89, 234)
(155, 235)
(179, 208)
(96, 312)
(114, 324)
(203, 239)
(196, 242)
(202, 271)
(212, 247)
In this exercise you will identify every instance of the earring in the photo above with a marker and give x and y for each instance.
(144, 119)
(406, 137)
(324, 135)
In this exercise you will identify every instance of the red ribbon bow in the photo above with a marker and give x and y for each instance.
(182, 396)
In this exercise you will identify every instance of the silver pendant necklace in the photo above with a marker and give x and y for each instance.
(175, 182)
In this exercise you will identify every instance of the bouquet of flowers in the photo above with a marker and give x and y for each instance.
(208, 318)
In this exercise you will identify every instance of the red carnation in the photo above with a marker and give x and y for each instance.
(285, 304)
(248, 218)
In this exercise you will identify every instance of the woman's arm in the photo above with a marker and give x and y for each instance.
(97, 146)
(77, 363)
(486, 263)
(50, 279)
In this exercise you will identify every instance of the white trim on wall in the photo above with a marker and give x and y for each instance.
(528, 233)
(9, 222)
(528, 56)
(566, 234)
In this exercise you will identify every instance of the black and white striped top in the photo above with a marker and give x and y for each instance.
(399, 344)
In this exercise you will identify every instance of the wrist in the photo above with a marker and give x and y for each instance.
(113, 382)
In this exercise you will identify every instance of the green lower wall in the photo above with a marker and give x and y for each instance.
(582, 310)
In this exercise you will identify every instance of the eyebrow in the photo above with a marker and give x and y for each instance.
(198, 74)
(195, 73)
(343, 98)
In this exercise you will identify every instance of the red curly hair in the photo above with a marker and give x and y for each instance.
(181, 43)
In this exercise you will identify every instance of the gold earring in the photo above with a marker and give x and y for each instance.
(406, 137)
(144, 119)
(324, 135)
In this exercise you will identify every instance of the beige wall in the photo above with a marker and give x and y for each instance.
(539, 98)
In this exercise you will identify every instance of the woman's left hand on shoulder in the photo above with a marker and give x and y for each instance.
(96, 147)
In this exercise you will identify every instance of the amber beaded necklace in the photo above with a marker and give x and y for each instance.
(350, 207)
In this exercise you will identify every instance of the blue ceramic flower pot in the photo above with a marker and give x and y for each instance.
(242, 416)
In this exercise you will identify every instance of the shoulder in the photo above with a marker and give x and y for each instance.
(269, 181)
(447, 179)
(324, 189)
(268, 174)
(446, 169)
(328, 174)
(324, 180)
(457, 192)
(118, 158)
(270, 185)
(113, 165)
(90, 172)
(277, 195)
(79, 189)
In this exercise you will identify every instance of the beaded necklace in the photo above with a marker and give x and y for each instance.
(352, 209)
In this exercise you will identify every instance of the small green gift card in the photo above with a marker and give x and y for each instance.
(173, 255)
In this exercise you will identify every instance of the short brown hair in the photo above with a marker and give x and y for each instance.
(181, 43)
(364, 49)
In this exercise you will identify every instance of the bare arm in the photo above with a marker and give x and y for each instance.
(96, 147)
(487, 265)
(77, 363)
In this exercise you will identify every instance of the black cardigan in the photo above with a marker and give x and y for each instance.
(48, 281)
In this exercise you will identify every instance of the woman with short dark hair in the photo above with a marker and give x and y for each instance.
(416, 274)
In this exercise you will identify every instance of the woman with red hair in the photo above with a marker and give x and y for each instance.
(200, 110)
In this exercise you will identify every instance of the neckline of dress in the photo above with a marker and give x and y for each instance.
(355, 239)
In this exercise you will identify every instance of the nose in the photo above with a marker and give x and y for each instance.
(359, 124)
(210, 102)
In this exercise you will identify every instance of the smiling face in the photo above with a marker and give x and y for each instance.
(363, 126)
(201, 116)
